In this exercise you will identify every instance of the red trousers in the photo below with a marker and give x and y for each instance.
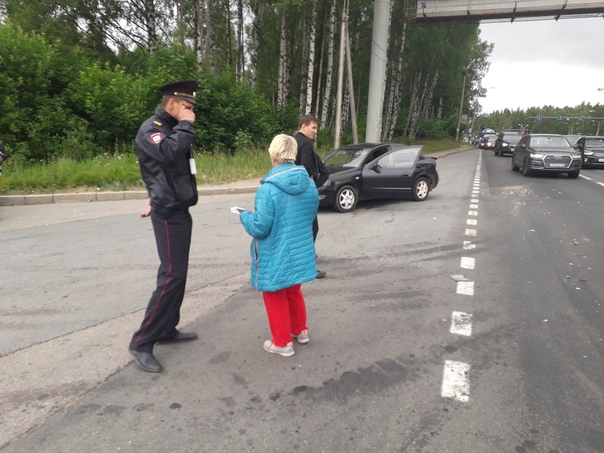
(286, 312)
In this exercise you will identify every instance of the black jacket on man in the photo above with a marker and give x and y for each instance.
(3, 154)
(163, 146)
(310, 159)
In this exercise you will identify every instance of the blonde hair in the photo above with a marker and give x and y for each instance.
(283, 148)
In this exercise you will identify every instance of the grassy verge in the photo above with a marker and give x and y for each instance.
(121, 172)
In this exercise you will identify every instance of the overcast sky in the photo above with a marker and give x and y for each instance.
(544, 62)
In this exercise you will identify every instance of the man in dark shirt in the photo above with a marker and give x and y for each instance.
(163, 146)
(307, 156)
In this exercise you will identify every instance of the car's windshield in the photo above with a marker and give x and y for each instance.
(511, 138)
(347, 157)
(550, 142)
(594, 142)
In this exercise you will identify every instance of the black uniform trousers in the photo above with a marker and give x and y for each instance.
(173, 239)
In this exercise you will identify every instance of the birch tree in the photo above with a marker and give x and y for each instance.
(397, 80)
(311, 59)
(329, 69)
(282, 84)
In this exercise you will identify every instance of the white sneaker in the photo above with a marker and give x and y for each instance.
(285, 351)
(302, 337)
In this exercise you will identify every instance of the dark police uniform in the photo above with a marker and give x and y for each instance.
(3, 155)
(163, 146)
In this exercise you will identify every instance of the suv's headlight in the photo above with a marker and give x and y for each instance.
(588, 153)
(504, 144)
(537, 155)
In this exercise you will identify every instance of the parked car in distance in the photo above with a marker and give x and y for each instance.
(376, 170)
(506, 142)
(592, 151)
(547, 153)
(488, 141)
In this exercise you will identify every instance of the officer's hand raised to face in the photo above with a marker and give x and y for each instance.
(186, 112)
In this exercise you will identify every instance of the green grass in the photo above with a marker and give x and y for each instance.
(121, 172)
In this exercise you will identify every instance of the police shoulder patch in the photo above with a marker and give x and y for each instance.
(156, 138)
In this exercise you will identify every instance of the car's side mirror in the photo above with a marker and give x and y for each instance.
(376, 168)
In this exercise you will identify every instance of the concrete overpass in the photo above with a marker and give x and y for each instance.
(439, 11)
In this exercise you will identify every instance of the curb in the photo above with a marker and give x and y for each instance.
(89, 197)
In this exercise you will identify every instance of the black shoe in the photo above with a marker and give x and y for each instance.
(321, 274)
(180, 337)
(146, 360)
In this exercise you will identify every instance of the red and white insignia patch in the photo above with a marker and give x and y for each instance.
(156, 138)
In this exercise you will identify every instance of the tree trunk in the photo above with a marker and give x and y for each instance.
(254, 40)
(283, 68)
(240, 44)
(228, 29)
(200, 32)
(304, 65)
(329, 76)
(413, 107)
(151, 25)
(319, 79)
(397, 77)
(311, 60)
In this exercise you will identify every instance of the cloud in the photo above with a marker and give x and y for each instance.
(536, 63)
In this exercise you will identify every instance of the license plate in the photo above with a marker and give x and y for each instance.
(601, 159)
(554, 165)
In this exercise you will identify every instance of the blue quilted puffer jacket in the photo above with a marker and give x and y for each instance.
(283, 251)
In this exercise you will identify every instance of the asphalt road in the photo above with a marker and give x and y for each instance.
(467, 323)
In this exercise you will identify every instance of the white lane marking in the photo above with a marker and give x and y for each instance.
(470, 232)
(456, 382)
(467, 245)
(461, 323)
(474, 200)
(600, 184)
(473, 206)
(465, 288)
(471, 222)
(467, 262)
(585, 177)
(472, 212)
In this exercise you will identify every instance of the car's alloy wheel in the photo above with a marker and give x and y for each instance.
(346, 199)
(421, 189)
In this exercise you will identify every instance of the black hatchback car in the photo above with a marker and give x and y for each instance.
(506, 142)
(592, 151)
(376, 170)
(547, 153)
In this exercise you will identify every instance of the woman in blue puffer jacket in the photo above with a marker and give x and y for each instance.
(283, 251)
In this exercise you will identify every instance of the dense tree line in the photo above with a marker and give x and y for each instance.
(77, 77)
(584, 119)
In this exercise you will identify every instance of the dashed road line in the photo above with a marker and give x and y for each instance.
(467, 262)
(456, 381)
(461, 323)
(456, 375)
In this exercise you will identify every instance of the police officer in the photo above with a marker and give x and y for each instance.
(164, 147)
(3, 155)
